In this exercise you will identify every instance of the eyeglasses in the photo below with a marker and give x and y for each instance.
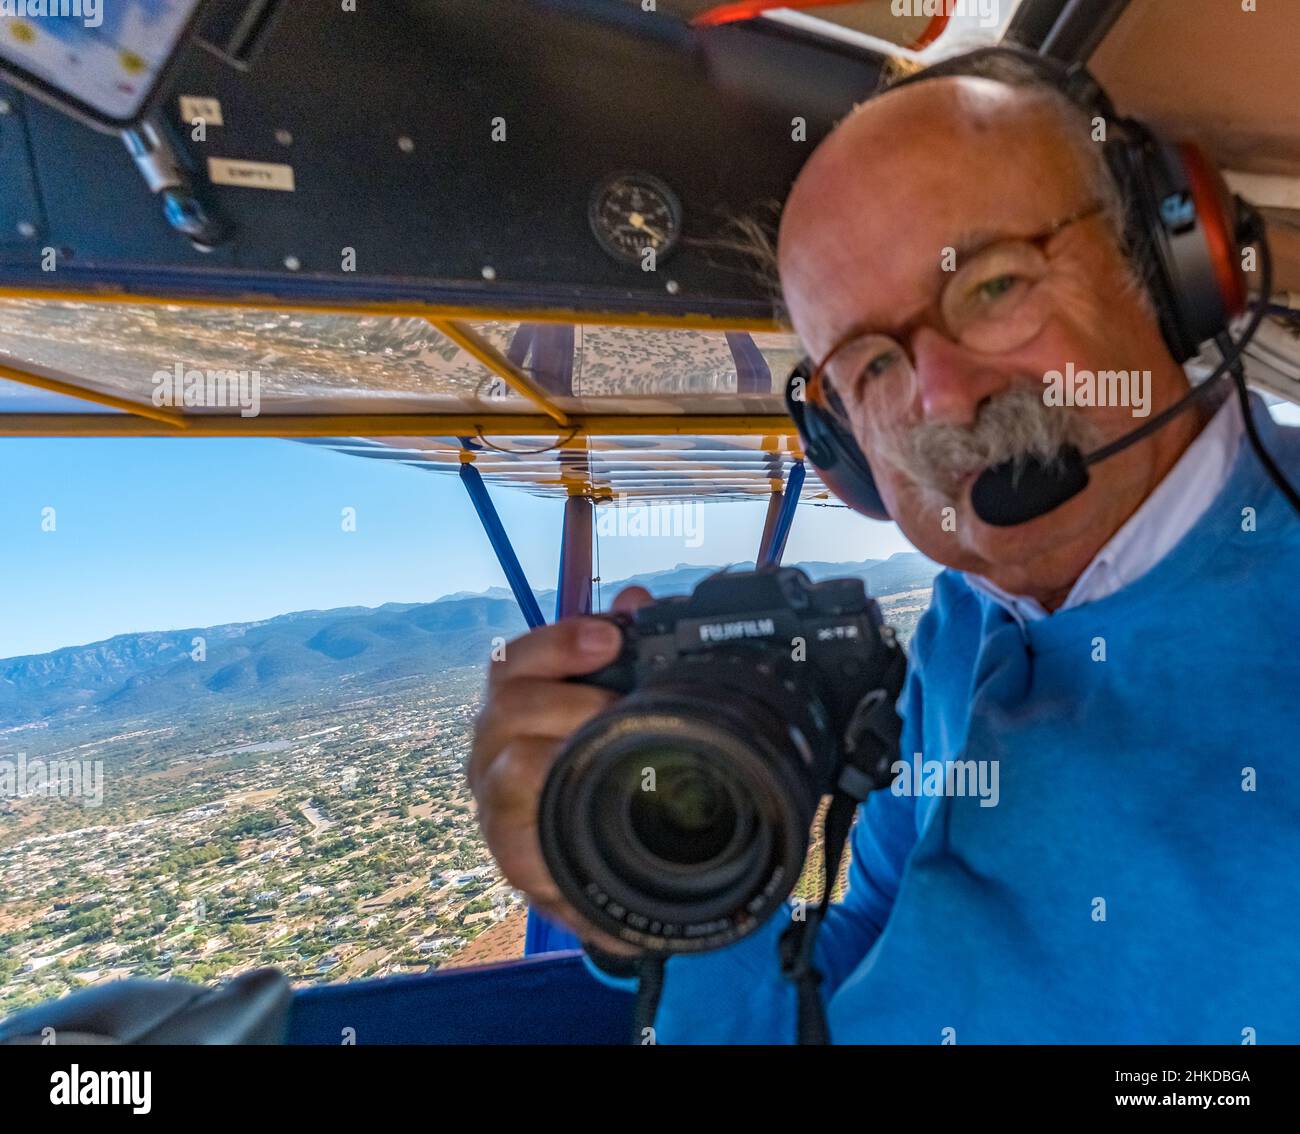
(992, 304)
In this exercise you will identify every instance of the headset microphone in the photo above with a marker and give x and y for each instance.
(1021, 490)
(1025, 488)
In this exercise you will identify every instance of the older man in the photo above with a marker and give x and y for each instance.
(1124, 658)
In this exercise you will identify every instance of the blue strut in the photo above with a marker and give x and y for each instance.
(775, 532)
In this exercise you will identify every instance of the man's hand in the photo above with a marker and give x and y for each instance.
(530, 711)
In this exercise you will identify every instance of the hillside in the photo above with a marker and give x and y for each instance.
(312, 652)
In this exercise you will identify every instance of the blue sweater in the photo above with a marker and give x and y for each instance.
(1126, 887)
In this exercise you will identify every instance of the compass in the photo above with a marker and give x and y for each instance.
(630, 212)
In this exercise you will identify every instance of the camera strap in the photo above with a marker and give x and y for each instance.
(650, 987)
(800, 938)
(871, 747)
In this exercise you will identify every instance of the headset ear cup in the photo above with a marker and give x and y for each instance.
(833, 452)
(1183, 231)
(1142, 233)
(1216, 209)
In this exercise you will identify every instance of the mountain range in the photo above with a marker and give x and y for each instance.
(311, 652)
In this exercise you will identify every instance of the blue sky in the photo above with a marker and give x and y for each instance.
(162, 534)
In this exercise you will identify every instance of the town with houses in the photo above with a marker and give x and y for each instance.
(332, 851)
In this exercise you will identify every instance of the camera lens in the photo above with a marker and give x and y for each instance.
(678, 821)
(690, 818)
(672, 826)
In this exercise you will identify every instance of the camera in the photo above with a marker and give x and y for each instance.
(680, 818)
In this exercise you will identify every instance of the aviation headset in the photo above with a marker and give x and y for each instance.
(1182, 229)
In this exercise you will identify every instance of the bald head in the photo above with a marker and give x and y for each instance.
(916, 170)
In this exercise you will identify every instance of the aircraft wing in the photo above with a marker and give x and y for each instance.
(552, 408)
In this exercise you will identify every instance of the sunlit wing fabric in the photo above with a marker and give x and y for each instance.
(606, 468)
(19, 399)
(618, 370)
(323, 362)
(317, 363)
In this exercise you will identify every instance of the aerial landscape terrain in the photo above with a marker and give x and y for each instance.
(288, 792)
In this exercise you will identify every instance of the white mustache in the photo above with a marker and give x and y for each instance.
(1011, 426)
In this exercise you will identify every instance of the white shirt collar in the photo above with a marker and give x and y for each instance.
(1162, 519)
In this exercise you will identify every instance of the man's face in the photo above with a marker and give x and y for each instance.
(908, 221)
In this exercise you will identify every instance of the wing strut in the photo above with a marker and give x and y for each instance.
(780, 516)
(496, 533)
(573, 595)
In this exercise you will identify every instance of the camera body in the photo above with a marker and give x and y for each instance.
(832, 628)
(679, 818)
